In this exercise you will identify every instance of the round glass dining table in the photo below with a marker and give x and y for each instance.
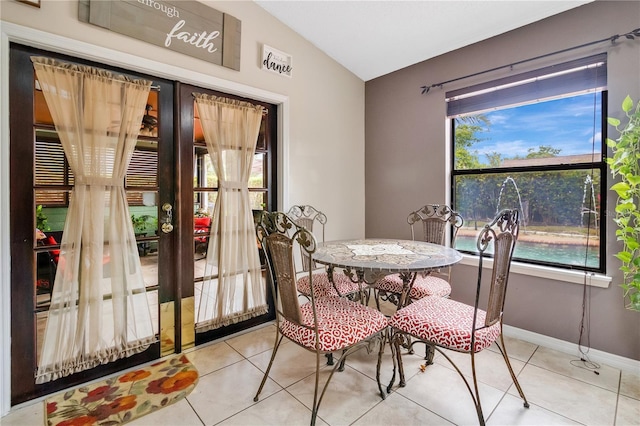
(367, 260)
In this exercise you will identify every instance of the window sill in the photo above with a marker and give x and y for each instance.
(564, 275)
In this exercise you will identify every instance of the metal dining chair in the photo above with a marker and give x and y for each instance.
(324, 324)
(434, 220)
(342, 285)
(444, 323)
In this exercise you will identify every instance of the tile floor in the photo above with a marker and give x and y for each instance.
(560, 389)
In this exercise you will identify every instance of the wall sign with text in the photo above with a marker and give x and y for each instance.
(276, 61)
(186, 26)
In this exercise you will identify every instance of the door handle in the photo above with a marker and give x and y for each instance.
(167, 225)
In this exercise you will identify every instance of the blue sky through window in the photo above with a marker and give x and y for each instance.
(568, 124)
(551, 197)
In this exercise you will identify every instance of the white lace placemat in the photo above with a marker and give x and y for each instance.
(378, 249)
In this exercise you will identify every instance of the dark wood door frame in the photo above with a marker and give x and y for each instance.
(22, 214)
(185, 155)
(175, 147)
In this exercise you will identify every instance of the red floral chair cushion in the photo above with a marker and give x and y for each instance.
(446, 323)
(423, 286)
(341, 323)
(202, 225)
(322, 287)
(55, 254)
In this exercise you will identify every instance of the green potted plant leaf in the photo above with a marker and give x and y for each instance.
(625, 165)
(141, 222)
(41, 219)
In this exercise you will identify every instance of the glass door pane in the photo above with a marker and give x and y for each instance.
(41, 184)
(204, 196)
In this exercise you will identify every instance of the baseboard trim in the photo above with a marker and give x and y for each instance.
(612, 360)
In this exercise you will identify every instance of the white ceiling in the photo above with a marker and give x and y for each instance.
(374, 38)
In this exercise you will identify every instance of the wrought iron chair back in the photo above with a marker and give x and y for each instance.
(277, 235)
(325, 282)
(434, 219)
(306, 216)
(503, 232)
(443, 323)
(324, 324)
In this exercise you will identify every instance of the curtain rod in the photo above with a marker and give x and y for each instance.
(631, 35)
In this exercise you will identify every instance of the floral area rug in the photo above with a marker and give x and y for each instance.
(123, 398)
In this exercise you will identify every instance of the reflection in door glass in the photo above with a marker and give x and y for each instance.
(204, 173)
(256, 180)
(203, 212)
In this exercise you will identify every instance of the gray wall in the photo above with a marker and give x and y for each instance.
(406, 161)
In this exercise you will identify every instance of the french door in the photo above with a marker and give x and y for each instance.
(167, 192)
(40, 187)
(201, 193)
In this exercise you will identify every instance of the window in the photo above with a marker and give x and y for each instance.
(205, 178)
(535, 142)
(53, 177)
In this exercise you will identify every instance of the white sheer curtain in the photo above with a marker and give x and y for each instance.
(231, 131)
(99, 310)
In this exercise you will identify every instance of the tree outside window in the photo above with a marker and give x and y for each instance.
(541, 156)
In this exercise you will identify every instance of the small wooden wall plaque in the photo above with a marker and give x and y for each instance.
(276, 61)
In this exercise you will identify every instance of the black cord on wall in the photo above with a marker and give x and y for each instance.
(585, 321)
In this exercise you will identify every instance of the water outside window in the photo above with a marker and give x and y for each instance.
(551, 154)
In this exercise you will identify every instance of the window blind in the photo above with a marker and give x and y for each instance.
(51, 170)
(143, 169)
(142, 173)
(580, 75)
